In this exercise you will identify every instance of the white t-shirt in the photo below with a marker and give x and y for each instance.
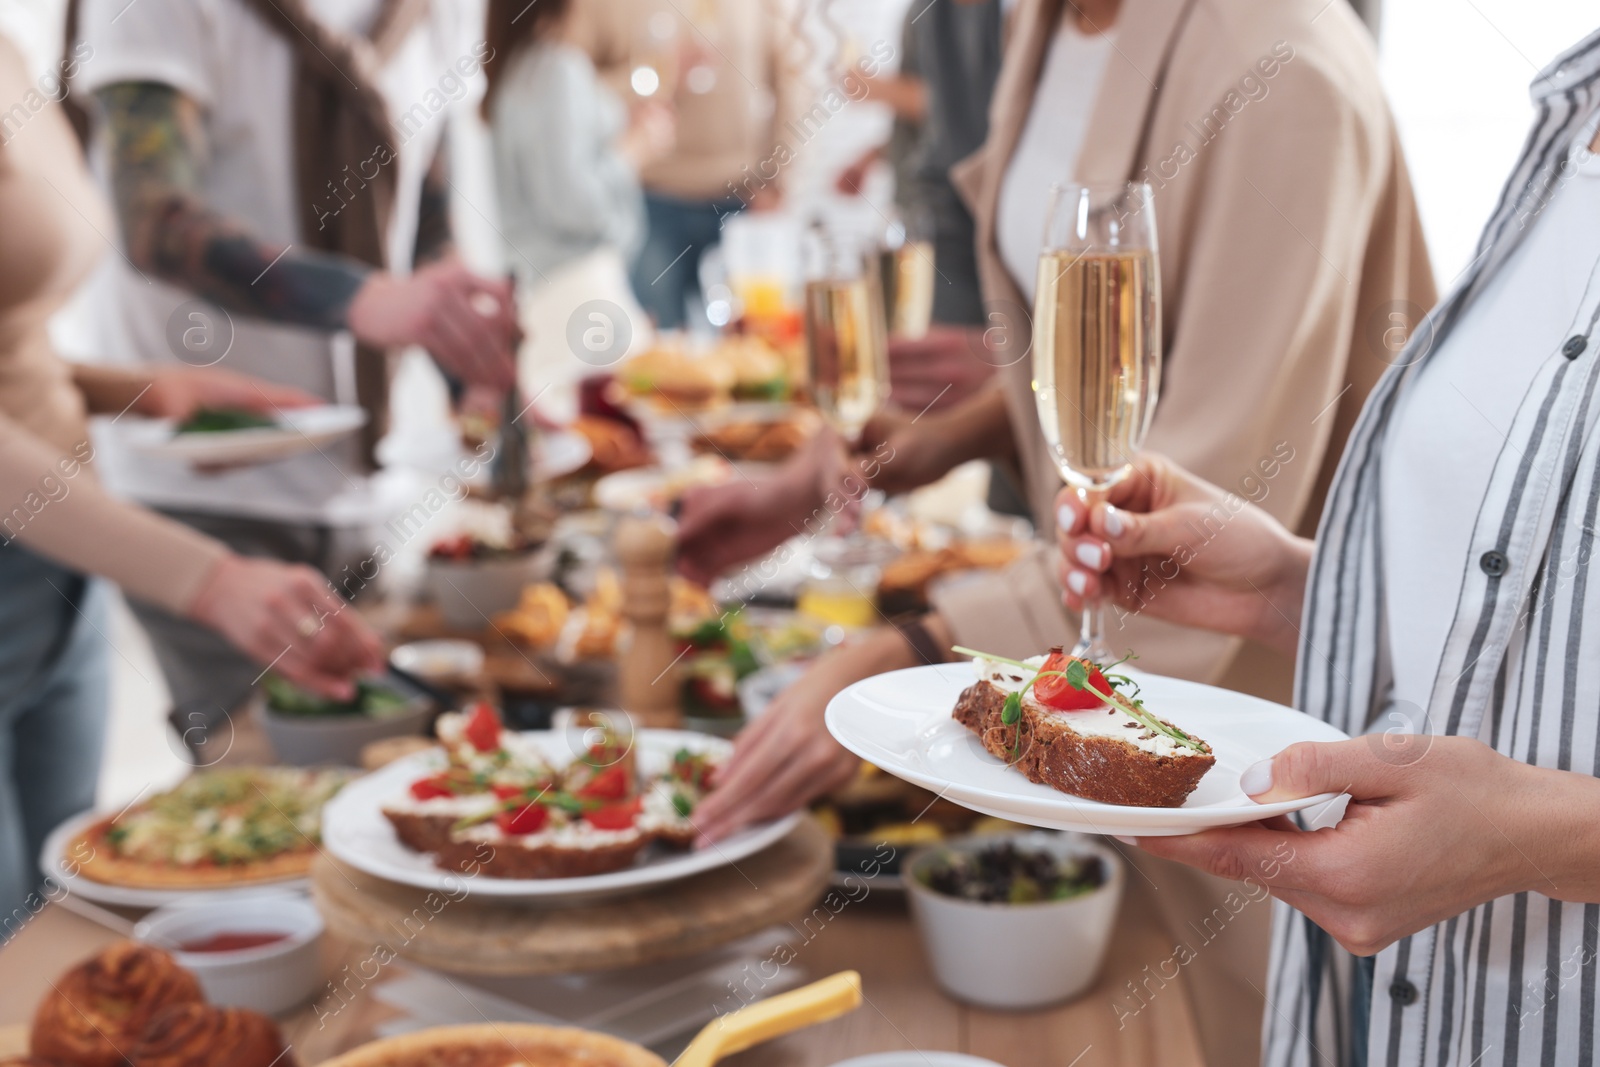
(239, 70)
(1047, 150)
(1450, 424)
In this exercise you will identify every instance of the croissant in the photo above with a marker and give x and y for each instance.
(100, 1008)
(199, 1035)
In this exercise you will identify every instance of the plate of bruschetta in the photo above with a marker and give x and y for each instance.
(1068, 744)
(582, 812)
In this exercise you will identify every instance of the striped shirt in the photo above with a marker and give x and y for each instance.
(1515, 980)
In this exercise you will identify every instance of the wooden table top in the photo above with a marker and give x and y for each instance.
(903, 1009)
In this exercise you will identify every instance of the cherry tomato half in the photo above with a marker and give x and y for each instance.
(432, 787)
(608, 783)
(1056, 692)
(614, 816)
(530, 818)
(483, 728)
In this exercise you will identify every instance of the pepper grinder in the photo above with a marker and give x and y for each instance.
(648, 684)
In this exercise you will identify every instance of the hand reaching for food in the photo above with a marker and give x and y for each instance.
(288, 616)
(786, 758)
(178, 392)
(1178, 548)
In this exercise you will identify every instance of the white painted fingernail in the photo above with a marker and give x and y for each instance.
(1114, 525)
(1089, 555)
(1134, 841)
(1076, 582)
(1257, 778)
(1066, 518)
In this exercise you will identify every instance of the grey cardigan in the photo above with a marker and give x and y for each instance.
(563, 186)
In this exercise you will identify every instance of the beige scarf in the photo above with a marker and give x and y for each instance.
(345, 158)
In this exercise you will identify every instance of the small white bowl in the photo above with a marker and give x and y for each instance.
(441, 660)
(468, 592)
(314, 740)
(916, 1058)
(271, 978)
(1016, 956)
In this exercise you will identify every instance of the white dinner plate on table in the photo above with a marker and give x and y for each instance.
(557, 453)
(902, 723)
(298, 430)
(55, 860)
(355, 831)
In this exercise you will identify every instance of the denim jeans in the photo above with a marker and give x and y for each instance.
(667, 273)
(55, 683)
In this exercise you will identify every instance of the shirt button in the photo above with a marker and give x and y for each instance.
(1403, 993)
(1494, 563)
(1575, 346)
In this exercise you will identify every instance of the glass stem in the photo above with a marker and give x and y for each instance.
(1091, 634)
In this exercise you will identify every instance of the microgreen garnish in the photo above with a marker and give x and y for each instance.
(1077, 676)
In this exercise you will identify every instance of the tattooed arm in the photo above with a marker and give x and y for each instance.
(158, 149)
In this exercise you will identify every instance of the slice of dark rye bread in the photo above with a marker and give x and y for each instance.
(506, 857)
(1106, 769)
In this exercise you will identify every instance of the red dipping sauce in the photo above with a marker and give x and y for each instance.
(229, 941)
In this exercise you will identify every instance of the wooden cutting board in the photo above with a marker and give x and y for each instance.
(663, 922)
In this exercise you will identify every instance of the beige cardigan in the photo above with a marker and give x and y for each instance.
(1288, 242)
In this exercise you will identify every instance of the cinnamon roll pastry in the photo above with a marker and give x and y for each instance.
(199, 1035)
(99, 1009)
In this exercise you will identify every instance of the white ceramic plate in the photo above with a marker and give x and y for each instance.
(560, 452)
(901, 721)
(355, 831)
(654, 488)
(54, 861)
(299, 430)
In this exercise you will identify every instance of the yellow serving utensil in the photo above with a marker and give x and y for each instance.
(773, 1017)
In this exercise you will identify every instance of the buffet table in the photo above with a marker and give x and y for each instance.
(903, 1009)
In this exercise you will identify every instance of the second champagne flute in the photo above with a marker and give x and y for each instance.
(847, 362)
(1097, 344)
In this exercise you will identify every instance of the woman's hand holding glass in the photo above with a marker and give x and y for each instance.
(1175, 547)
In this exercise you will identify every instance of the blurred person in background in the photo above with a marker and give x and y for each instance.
(281, 160)
(950, 62)
(567, 156)
(1289, 238)
(59, 528)
(723, 67)
(567, 150)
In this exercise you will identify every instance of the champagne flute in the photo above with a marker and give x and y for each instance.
(1097, 344)
(906, 273)
(847, 360)
(847, 343)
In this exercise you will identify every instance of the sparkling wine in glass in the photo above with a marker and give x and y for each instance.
(1097, 344)
(847, 345)
(906, 275)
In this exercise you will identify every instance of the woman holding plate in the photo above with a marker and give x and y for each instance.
(1444, 611)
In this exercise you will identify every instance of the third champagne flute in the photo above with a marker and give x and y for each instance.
(1097, 344)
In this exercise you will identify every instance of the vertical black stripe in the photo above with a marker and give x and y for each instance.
(1551, 994)
(1519, 933)
(1402, 960)
(1586, 988)
(1447, 994)
(1485, 939)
